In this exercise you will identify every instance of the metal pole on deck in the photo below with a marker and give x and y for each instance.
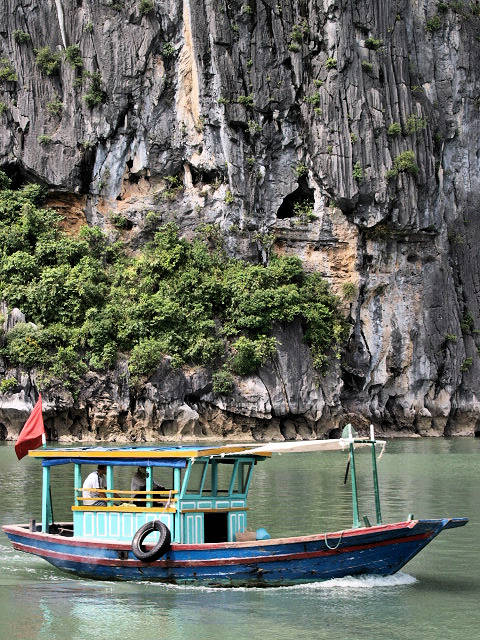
(375, 477)
(356, 519)
(46, 501)
(109, 493)
(149, 487)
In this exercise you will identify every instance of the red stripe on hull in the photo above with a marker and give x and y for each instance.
(304, 555)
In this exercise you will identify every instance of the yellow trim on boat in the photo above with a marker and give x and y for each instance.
(140, 454)
(129, 508)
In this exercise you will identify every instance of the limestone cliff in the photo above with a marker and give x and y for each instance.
(231, 113)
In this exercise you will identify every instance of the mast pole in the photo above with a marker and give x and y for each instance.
(356, 519)
(375, 477)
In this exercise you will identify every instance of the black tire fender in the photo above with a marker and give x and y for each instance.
(149, 555)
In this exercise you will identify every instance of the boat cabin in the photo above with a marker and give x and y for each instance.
(204, 500)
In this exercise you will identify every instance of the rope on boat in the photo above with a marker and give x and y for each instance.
(338, 543)
(168, 502)
(381, 452)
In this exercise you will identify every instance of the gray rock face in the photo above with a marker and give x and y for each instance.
(367, 109)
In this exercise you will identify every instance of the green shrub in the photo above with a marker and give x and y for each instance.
(395, 129)
(168, 50)
(405, 162)
(7, 384)
(299, 32)
(95, 95)
(314, 99)
(7, 72)
(73, 56)
(248, 355)
(3, 108)
(367, 66)
(414, 124)
(254, 127)
(300, 170)
(247, 101)
(47, 60)
(434, 24)
(55, 107)
(330, 63)
(349, 290)
(174, 186)
(21, 37)
(373, 43)
(357, 171)
(223, 382)
(303, 211)
(44, 139)
(145, 6)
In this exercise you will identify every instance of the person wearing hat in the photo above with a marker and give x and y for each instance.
(139, 483)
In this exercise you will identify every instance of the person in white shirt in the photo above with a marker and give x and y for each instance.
(95, 480)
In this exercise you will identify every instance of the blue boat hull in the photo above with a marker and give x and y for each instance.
(380, 550)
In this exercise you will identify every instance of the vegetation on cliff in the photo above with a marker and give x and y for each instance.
(86, 300)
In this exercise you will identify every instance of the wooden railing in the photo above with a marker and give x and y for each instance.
(129, 498)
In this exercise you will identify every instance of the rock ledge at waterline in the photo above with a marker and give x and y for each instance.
(286, 400)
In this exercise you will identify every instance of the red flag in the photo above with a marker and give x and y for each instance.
(32, 435)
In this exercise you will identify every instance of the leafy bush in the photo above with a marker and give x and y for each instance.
(7, 72)
(73, 56)
(47, 60)
(90, 300)
(95, 95)
(168, 50)
(247, 101)
(434, 23)
(394, 129)
(7, 384)
(415, 123)
(55, 107)
(373, 43)
(145, 6)
(357, 171)
(21, 37)
(404, 162)
(303, 211)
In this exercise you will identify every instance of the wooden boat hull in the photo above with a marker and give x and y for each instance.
(380, 550)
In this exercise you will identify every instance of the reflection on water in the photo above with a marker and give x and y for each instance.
(435, 597)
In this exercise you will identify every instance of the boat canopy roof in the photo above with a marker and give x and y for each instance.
(177, 456)
(155, 456)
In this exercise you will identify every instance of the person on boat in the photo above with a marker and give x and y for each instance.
(95, 480)
(139, 483)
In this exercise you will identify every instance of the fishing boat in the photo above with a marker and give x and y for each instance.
(195, 530)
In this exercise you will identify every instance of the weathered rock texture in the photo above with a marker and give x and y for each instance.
(256, 105)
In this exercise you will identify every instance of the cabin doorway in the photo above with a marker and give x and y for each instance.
(215, 527)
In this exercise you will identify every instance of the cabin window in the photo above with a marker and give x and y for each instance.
(241, 480)
(197, 478)
(224, 476)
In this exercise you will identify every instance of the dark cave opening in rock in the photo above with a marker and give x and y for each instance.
(205, 176)
(18, 175)
(299, 202)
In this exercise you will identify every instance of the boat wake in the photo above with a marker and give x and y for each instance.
(338, 584)
(363, 582)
